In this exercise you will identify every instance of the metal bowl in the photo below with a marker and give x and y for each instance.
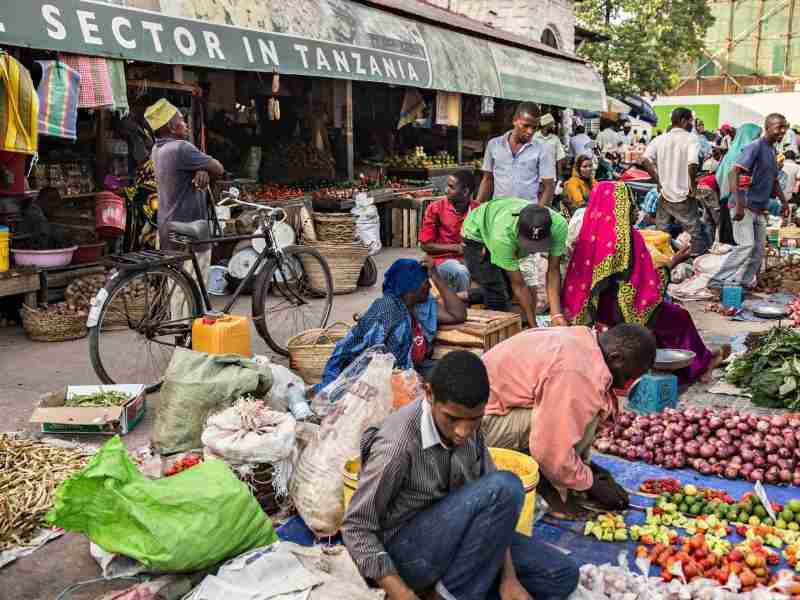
(770, 311)
(673, 360)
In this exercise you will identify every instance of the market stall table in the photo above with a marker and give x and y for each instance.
(52, 279)
(20, 281)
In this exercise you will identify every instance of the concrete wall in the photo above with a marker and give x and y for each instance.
(527, 18)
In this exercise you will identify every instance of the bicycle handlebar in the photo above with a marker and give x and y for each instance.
(267, 209)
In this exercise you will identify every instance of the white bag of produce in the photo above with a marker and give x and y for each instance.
(250, 433)
(360, 397)
(368, 230)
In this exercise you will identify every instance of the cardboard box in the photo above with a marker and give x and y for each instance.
(104, 420)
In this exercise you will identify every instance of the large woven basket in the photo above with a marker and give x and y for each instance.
(309, 351)
(44, 326)
(345, 262)
(335, 227)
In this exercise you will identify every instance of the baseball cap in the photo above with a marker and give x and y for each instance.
(533, 230)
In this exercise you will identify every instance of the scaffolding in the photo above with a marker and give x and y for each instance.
(753, 46)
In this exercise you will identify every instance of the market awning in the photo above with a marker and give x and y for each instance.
(327, 38)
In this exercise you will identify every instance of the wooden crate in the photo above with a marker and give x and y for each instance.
(482, 330)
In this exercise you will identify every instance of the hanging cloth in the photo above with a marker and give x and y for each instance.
(448, 108)
(95, 90)
(58, 99)
(119, 86)
(19, 107)
(412, 109)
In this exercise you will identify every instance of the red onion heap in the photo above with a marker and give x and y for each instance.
(725, 443)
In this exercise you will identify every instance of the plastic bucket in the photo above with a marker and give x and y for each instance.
(88, 253)
(527, 470)
(506, 460)
(110, 214)
(5, 238)
(350, 478)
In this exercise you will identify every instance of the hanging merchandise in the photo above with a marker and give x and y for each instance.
(19, 107)
(96, 90)
(412, 109)
(119, 86)
(58, 99)
(448, 109)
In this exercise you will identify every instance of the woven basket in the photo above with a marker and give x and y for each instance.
(337, 228)
(345, 262)
(309, 351)
(43, 326)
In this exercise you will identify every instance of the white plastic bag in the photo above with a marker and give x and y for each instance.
(359, 398)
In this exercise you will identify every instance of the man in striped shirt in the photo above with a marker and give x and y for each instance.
(432, 517)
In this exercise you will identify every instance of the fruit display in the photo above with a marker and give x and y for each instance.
(723, 443)
(342, 192)
(418, 159)
(607, 528)
(771, 370)
(660, 486)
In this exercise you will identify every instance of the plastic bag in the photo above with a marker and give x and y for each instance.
(187, 522)
(197, 384)
(360, 397)
(406, 388)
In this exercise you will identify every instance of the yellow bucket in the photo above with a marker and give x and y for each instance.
(5, 237)
(524, 467)
(506, 460)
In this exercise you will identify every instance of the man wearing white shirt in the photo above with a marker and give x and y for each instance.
(792, 171)
(672, 162)
(580, 144)
(609, 138)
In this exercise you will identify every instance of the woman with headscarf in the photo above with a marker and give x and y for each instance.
(404, 320)
(141, 201)
(578, 187)
(612, 279)
(747, 133)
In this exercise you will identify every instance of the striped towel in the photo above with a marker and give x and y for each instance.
(58, 99)
(19, 107)
(119, 86)
(95, 89)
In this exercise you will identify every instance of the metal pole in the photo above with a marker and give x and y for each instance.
(348, 128)
(460, 131)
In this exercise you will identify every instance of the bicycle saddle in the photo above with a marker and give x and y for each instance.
(198, 230)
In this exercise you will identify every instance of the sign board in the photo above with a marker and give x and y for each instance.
(322, 38)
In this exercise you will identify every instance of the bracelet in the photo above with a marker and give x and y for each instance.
(555, 316)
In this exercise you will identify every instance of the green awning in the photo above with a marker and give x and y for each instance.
(320, 38)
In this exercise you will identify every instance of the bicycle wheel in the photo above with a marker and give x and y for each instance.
(144, 316)
(291, 296)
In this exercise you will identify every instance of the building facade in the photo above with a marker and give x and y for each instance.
(551, 22)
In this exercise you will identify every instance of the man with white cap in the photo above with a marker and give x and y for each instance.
(546, 135)
(182, 176)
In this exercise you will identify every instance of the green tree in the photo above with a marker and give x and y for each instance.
(650, 40)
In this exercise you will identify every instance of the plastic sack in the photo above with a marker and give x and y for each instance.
(368, 230)
(250, 433)
(186, 522)
(197, 384)
(363, 398)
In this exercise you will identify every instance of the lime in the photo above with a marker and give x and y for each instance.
(794, 506)
(677, 498)
(744, 517)
(780, 524)
(683, 507)
(695, 509)
(733, 515)
(760, 511)
(787, 515)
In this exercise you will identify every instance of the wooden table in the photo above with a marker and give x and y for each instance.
(21, 282)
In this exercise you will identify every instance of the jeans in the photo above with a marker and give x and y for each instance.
(455, 275)
(459, 545)
(490, 277)
(743, 262)
(685, 214)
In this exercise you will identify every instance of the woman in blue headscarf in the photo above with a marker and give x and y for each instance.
(747, 133)
(404, 319)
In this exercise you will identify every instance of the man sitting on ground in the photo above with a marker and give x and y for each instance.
(432, 517)
(440, 236)
(551, 388)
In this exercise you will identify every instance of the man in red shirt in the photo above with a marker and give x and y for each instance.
(440, 236)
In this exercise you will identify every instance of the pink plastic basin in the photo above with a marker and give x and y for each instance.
(43, 258)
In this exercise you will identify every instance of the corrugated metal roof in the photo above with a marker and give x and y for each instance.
(423, 11)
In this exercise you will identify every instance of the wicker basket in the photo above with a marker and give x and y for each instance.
(345, 262)
(44, 326)
(337, 228)
(309, 351)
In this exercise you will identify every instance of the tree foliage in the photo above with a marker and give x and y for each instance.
(651, 40)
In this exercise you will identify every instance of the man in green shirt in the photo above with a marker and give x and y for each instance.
(497, 235)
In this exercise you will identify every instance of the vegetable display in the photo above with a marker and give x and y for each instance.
(106, 398)
(723, 443)
(271, 192)
(771, 370)
(187, 462)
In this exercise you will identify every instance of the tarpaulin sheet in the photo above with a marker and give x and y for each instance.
(568, 535)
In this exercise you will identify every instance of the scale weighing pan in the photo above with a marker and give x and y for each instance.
(668, 359)
(770, 311)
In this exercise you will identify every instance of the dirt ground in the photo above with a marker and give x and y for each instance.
(28, 369)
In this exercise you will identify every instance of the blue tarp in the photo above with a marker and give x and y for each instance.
(568, 535)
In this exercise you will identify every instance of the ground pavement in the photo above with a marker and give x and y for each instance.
(28, 369)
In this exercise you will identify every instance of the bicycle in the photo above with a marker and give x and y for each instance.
(150, 300)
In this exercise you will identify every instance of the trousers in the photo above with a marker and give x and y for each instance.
(743, 262)
(458, 546)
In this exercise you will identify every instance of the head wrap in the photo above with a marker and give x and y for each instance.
(746, 134)
(404, 276)
(159, 114)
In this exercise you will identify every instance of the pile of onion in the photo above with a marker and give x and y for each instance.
(725, 443)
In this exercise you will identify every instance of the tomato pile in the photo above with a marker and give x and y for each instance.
(187, 462)
(270, 192)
